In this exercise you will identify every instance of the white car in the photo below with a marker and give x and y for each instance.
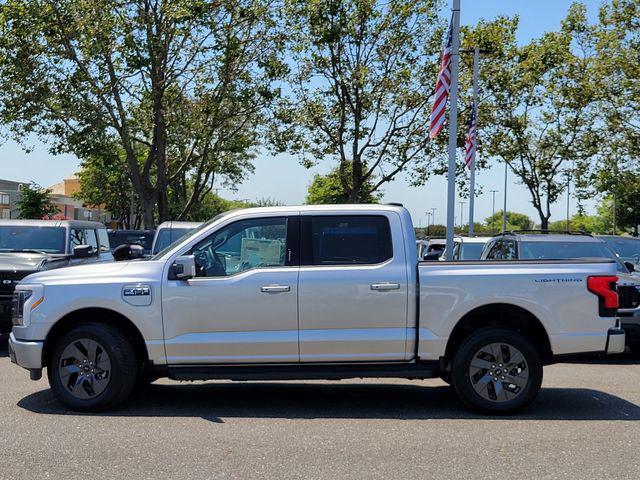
(312, 292)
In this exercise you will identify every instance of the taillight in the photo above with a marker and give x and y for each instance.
(605, 288)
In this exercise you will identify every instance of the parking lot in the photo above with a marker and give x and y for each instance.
(585, 424)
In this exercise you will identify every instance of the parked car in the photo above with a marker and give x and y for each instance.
(627, 248)
(169, 232)
(431, 248)
(28, 246)
(144, 238)
(539, 246)
(312, 292)
(467, 248)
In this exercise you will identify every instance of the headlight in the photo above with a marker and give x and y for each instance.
(25, 299)
(17, 306)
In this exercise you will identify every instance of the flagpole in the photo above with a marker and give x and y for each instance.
(472, 187)
(504, 208)
(453, 129)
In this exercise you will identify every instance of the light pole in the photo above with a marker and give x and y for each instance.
(493, 214)
(504, 208)
(453, 127)
(428, 221)
(462, 204)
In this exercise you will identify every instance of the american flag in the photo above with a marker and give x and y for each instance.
(442, 87)
(470, 144)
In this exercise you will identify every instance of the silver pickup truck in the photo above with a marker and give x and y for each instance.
(314, 292)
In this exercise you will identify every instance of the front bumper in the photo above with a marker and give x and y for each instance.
(615, 341)
(25, 353)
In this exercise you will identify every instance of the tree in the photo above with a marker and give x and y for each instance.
(359, 90)
(600, 223)
(540, 105)
(35, 203)
(328, 189)
(515, 221)
(618, 62)
(104, 181)
(179, 86)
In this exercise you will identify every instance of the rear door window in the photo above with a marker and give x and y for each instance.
(347, 240)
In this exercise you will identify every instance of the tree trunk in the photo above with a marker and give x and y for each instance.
(147, 202)
(544, 222)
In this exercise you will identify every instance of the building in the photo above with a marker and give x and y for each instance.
(9, 196)
(62, 196)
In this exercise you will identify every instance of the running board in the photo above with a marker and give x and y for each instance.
(412, 371)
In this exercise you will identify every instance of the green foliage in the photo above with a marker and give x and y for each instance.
(35, 203)
(104, 180)
(329, 189)
(359, 89)
(180, 86)
(600, 223)
(515, 221)
(539, 103)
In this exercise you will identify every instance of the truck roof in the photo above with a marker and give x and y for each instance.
(553, 237)
(51, 223)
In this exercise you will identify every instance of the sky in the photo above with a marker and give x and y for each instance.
(282, 178)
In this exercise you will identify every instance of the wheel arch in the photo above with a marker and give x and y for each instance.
(505, 315)
(99, 315)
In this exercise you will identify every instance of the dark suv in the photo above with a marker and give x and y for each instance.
(28, 246)
(541, 244)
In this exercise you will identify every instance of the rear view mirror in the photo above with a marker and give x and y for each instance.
(183, 268)
(432, 256)
(82, 251)
(630, 266)
(128, 251)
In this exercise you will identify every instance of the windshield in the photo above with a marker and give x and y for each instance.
(562, 250)
(625, 247)
(470, 251)
(17, 238)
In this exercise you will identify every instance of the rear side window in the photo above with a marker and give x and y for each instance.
(90, 239)
(349, 240)
(103, 238)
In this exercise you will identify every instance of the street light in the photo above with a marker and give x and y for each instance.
(493, 214)
(462, 204)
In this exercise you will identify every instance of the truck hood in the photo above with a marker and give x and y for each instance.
(21, 262)
(134, 271)
(78, 273)
(627, 279)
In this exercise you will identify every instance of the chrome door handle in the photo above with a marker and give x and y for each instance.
(275, 288)
(385, 286)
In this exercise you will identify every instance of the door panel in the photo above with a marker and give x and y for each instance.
(352, 312)
(242, 307)
(229, 319)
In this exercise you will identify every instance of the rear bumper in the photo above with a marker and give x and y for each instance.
(25, 353)
(615, 341)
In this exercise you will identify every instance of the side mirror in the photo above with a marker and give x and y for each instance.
(82, 251)
(128, 251)
(432, 256)
(183, 268)
(630, 266)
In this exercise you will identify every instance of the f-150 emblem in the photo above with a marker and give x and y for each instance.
(7, 282)
(136, 291)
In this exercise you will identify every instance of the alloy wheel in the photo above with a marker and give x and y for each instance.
(85, 368)
(498, 372)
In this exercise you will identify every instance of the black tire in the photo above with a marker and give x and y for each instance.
(446, 377)
(511, 399)
(634, 347)
(121, 377)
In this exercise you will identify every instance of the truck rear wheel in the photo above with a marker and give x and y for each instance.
(496, 371)
(92, 368)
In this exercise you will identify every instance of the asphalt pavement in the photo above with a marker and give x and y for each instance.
(584, 425)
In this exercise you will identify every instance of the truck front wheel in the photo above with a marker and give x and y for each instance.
(92, 368)
(496, 371)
